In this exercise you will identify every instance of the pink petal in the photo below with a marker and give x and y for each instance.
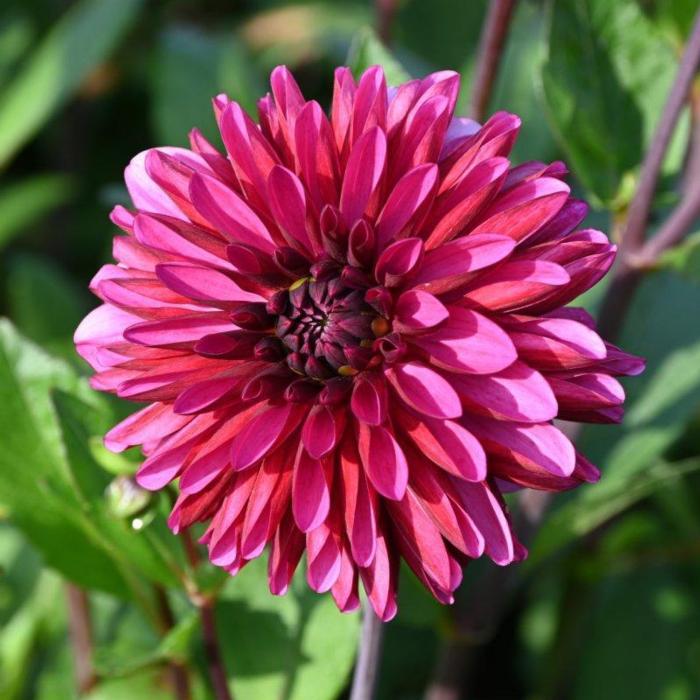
(517, 393)
(417, 310)
(261, 434)
(202, 284)
(288, 204)
(323, 559)
(362, 174)
(369, 401)
(228, 213)
(318, 160)
(468, 342)
(516, 284)
(538, 444)
(398, 259)
(408, 199)
(145, 194)
(384, 461)
(310, 492)
(424, 390)
(320, 433)
(360, 515)
(451, 264)
(451, 446)
(179, 331)
(422, 537)
(525, 208)
(488, 515)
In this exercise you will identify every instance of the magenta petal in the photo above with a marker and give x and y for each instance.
(288, 204)
(468, 342)
(360, 517)
(416, 310)
(449, 265)
(177, 331)
(362, 174)
(488, 515)
(517, 393)
(538, 444)
(319, 433)
(228, 213)
(425, 390)
(447, 443)
(407, 198)
(398, 259)
(259, 436)
(369, 400)
(384, 461)
(310, 492)
(146, 194)
(202, 284)
(323, 559)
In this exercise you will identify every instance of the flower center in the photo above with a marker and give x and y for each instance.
(325, 326)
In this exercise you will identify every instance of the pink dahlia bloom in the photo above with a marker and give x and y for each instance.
(351, 334)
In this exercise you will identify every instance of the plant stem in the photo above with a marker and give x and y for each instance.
(80, 632)
(178, 673)
(212, 651)
(386, 11)
(206, 605)
(638, 215)
(369, 654)
(636, 254)
(491, 44)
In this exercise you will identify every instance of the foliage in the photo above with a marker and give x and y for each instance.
(610, 584)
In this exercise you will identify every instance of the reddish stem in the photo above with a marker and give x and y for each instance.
(80, 632)
(491, 44)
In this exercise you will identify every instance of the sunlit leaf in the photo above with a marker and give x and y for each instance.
(604, 82)
(297, 646)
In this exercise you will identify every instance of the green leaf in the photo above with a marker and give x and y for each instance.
(297, 646)
(45, 303)
(685, 258)
(129, 656)
(20, 635)
(367, 50)
(50, 485)
(146, 685)
(638, 634)
(515, 91)
(191, 67)
(24, 203)
(672, 383)
(83, 37)
(623, 486)
(604, 82)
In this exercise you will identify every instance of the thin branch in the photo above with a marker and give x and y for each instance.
(178, 673)
(212, 651)
(369, 653)
(638, 215)
(206, 606)
(386, 12)
(491, 45)
(80, 632)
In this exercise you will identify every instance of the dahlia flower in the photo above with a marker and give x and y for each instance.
(351, 334)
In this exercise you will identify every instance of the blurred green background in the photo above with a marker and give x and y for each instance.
(607, 606)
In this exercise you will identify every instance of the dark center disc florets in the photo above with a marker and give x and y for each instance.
(325, 326)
